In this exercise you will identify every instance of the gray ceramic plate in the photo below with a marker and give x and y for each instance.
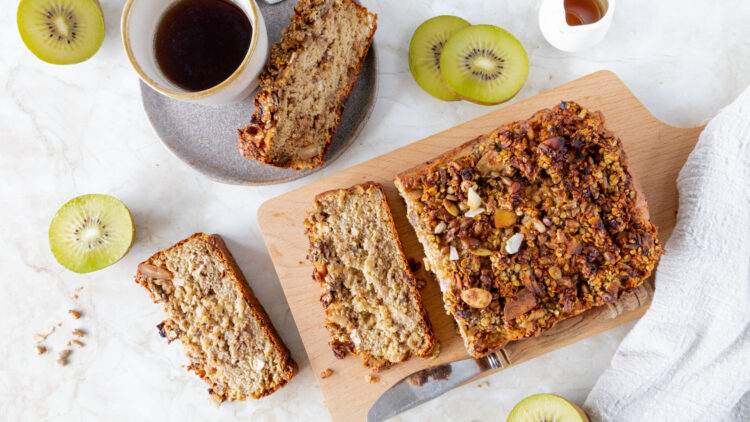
(205, 136)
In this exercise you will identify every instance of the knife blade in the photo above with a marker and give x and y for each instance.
(427, 384)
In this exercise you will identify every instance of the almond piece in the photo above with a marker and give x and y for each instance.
(473, 200)
(476, 297)
(152, 271)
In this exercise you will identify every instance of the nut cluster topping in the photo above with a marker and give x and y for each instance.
(534, 223)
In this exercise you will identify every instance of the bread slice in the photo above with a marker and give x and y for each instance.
(372, 304)
(305, 86)
(536, 222)
(223, 329)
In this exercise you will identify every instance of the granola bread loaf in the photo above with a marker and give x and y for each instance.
(223, 329)
(531, 224)
(305, 86)
(372, 304)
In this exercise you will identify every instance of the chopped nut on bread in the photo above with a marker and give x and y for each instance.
(224, 330)
(372, 305)
(536, 222)
(305, 86)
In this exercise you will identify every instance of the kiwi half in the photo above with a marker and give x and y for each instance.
(91, 232)
(61, 31)
(546, 407)
(484, 64)
(424, 53)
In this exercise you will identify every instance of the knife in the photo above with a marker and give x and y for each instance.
(429, 383)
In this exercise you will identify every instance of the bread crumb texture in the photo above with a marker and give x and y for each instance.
(305, 86)
(372, 304)
(534, 223)
(224, 331)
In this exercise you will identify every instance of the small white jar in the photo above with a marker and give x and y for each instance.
(573, 38)
(140, 20)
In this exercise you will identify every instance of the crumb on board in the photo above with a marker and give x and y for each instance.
(78, 333)
(75, 314)
(40, 350)
(75, 297)
(371, 379)
(326, 373)
(483, 384)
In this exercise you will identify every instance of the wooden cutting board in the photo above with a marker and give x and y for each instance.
(656, 151)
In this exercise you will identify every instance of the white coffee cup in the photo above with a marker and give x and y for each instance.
(140, 20)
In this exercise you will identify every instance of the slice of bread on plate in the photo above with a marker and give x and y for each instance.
(372, 303)
(305, 86)
(225, 332)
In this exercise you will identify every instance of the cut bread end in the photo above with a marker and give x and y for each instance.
(372, 304)
(225, 332)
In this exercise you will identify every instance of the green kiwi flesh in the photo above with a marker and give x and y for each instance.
(91, 232)
(61, 31)
(484, 64)
(546, 407)
(424, 53)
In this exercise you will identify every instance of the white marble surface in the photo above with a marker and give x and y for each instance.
(72, 130)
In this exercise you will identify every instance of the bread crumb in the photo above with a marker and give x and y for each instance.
(79, 288)
(371, 379)
(326, 373)
(75, 297)
(483, 384)
(38, 338)
(62, 357)
(78, 333)
(40, 350)
(75, 314)
(76, 343)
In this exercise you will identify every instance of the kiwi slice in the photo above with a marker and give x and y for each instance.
(91, 232)
(484, 64)
(61, 31)
(424, 53)
(546, 407)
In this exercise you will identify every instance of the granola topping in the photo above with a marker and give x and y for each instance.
(541, 215)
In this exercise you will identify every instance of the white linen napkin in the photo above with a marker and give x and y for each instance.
(688, 358)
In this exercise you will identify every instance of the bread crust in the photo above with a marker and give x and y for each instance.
(319, 276)
(256, 139)
(415, 182)
(217, 245)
